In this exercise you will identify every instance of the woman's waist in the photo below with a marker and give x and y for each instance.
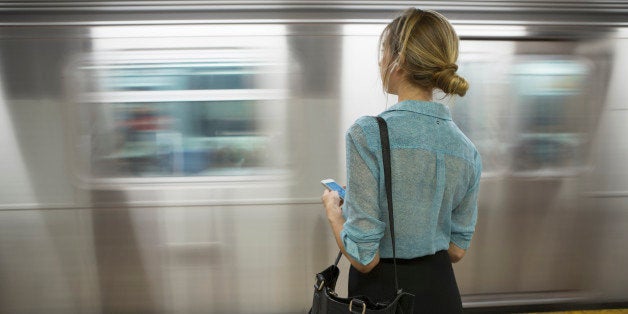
(420, 259)
(411, 249)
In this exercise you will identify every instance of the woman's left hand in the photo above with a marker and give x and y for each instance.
(332, 203)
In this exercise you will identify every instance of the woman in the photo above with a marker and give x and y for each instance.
(435, 174)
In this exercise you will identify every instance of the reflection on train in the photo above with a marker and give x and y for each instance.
(166, 159)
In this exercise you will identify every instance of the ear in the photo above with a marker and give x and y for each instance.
(398, 72)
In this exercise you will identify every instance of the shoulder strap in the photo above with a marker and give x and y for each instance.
(383, 135)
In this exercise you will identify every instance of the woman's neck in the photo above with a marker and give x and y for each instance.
(411, 92)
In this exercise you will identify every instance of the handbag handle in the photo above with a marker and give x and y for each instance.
(383, 135)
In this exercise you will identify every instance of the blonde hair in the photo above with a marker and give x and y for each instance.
(425, 46)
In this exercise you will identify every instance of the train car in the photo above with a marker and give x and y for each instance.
(165, 156)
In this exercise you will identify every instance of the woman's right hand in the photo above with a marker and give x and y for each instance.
(455, 253)
(332, 203)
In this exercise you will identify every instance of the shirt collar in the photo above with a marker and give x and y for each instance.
(428, 108)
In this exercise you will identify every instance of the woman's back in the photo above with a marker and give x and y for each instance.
(435, 172)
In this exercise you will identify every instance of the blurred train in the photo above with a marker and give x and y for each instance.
(165, 156)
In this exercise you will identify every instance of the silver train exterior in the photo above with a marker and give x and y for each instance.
(165, 157)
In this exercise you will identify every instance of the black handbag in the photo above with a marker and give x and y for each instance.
(326, 300)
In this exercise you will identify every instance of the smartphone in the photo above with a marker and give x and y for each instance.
(331, 185)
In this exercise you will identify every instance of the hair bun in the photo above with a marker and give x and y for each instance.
(449, 82)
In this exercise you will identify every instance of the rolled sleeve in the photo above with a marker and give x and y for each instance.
(363, 228)
(464, 216)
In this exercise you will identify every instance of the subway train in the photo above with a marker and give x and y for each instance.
(166, 156)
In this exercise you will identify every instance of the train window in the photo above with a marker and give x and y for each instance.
(551, 110)
(150, 116)
(527, 114)
(180, 139)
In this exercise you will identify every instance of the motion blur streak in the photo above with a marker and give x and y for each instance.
(165, 157)
(11, 161)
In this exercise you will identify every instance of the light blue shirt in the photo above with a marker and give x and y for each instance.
(435, 180)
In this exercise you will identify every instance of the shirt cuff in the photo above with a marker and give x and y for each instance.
(461, 240)
(361, 251)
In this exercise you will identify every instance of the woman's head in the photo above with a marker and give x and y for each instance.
(423, 47)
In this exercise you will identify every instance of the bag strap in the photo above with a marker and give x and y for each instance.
(383, 135)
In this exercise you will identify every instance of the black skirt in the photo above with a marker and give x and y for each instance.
(430, 278)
